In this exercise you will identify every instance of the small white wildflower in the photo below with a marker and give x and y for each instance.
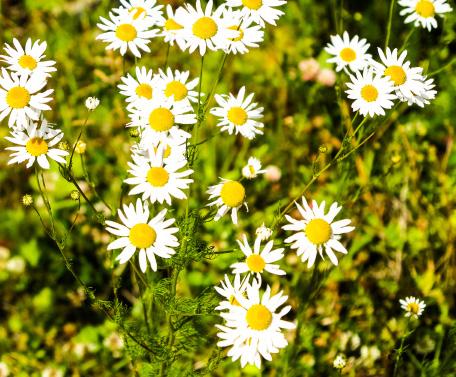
(413, 307)
(263, 232)
(340, 362)
(252, 169)
(92, 103)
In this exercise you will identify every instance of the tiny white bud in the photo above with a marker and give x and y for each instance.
(263, 232)
(92, 103)
(339, 362)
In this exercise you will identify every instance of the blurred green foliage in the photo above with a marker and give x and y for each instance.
(399, 190)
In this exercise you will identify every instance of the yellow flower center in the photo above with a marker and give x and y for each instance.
(369, 93)
(425, 8)
(258, 317)
(237, 115)
(17, 97)
(126, 32)
(166, 152)
(241, 33)
(347, 54)
(233, 301)
(255, 263)
(27, 61)
(396, 74)
(413, 307)
(232, 193)
(137, 12)
(176, 89)
(253, 4)
(170, 24)
(157, 177)
(36, 146)
(204, 28)
(161, 119)
(144, 90)
(142, 236)
(318, 231)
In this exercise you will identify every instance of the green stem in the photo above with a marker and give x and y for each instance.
(404, 45)
(400, 351)
(70, 163)
(390, 21)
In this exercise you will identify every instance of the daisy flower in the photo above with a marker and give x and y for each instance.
(152, 237)
(157, 181)
(229, 196)
(175, 86)
(317, 232)
(28, 60)
(372, 93)
(20, 97)
(238, 114)
(348, 52)
(205, 29)
(340, 362)
(142, 9)
(140, 89)
(123, 32)
(406, 80)
(174, 148)
(422, 12)
(171, 28)
(253, 329)
(413, 307)
(258, 260)
(260, 11)
(263, 232)
(35, 143)
(230, 291)
(158, 119)
(252, 169)
(250, 35)
(424, 93)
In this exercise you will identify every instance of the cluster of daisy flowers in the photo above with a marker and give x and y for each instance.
(23, 99)
(234, 27)
(375, 84)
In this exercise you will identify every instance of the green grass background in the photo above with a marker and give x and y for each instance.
(399, 190)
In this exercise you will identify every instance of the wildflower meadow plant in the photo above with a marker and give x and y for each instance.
(167, 220)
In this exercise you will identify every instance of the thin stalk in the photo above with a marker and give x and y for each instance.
(70, 163)
(390, 21)
(401, 349)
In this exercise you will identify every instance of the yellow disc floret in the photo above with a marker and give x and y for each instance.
(144, 90)
(241, 33)
(137, 12)
(176, 89)
(252, 4)
(157, 177)
(258, 317)
(369, 93)
(204, 28)
(27, 61)
(347, 54)
(161, 119)
(413, 308)
(126, 32)
(318, 231)
(142, 236)
(232, 194)
(396, 73)
(255, 263)
(425, 8)
(237, 115)
(170, 24)
(36, 146)
(17, 97)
